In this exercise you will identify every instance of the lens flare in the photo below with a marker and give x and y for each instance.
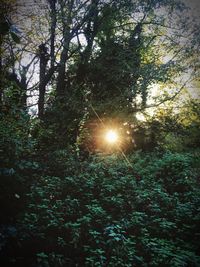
(111, 137)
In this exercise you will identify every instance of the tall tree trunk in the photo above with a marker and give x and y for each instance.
(23, 83)
(61, 70)
(44, 57)
(24, 98)
(42, 84)
(90, 33)
(66, 24)
(52, 30)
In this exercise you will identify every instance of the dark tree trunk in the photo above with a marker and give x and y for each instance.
(23, 86)
(90, 33)
(42, 85)
(61, 73)
(45, 75)
(62, 65)
(52, 30)
(67, 35)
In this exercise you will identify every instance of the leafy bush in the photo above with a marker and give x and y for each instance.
(99, 212)
(17, 169)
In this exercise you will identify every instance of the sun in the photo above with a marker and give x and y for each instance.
(111, 136)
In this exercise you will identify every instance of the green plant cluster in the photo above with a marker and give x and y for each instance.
(108, 211)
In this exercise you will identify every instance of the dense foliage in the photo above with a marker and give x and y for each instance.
(68, 198)
(101, 212)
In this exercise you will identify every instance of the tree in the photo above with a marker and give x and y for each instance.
(105, 56)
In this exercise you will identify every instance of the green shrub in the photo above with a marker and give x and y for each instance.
(99, 212)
